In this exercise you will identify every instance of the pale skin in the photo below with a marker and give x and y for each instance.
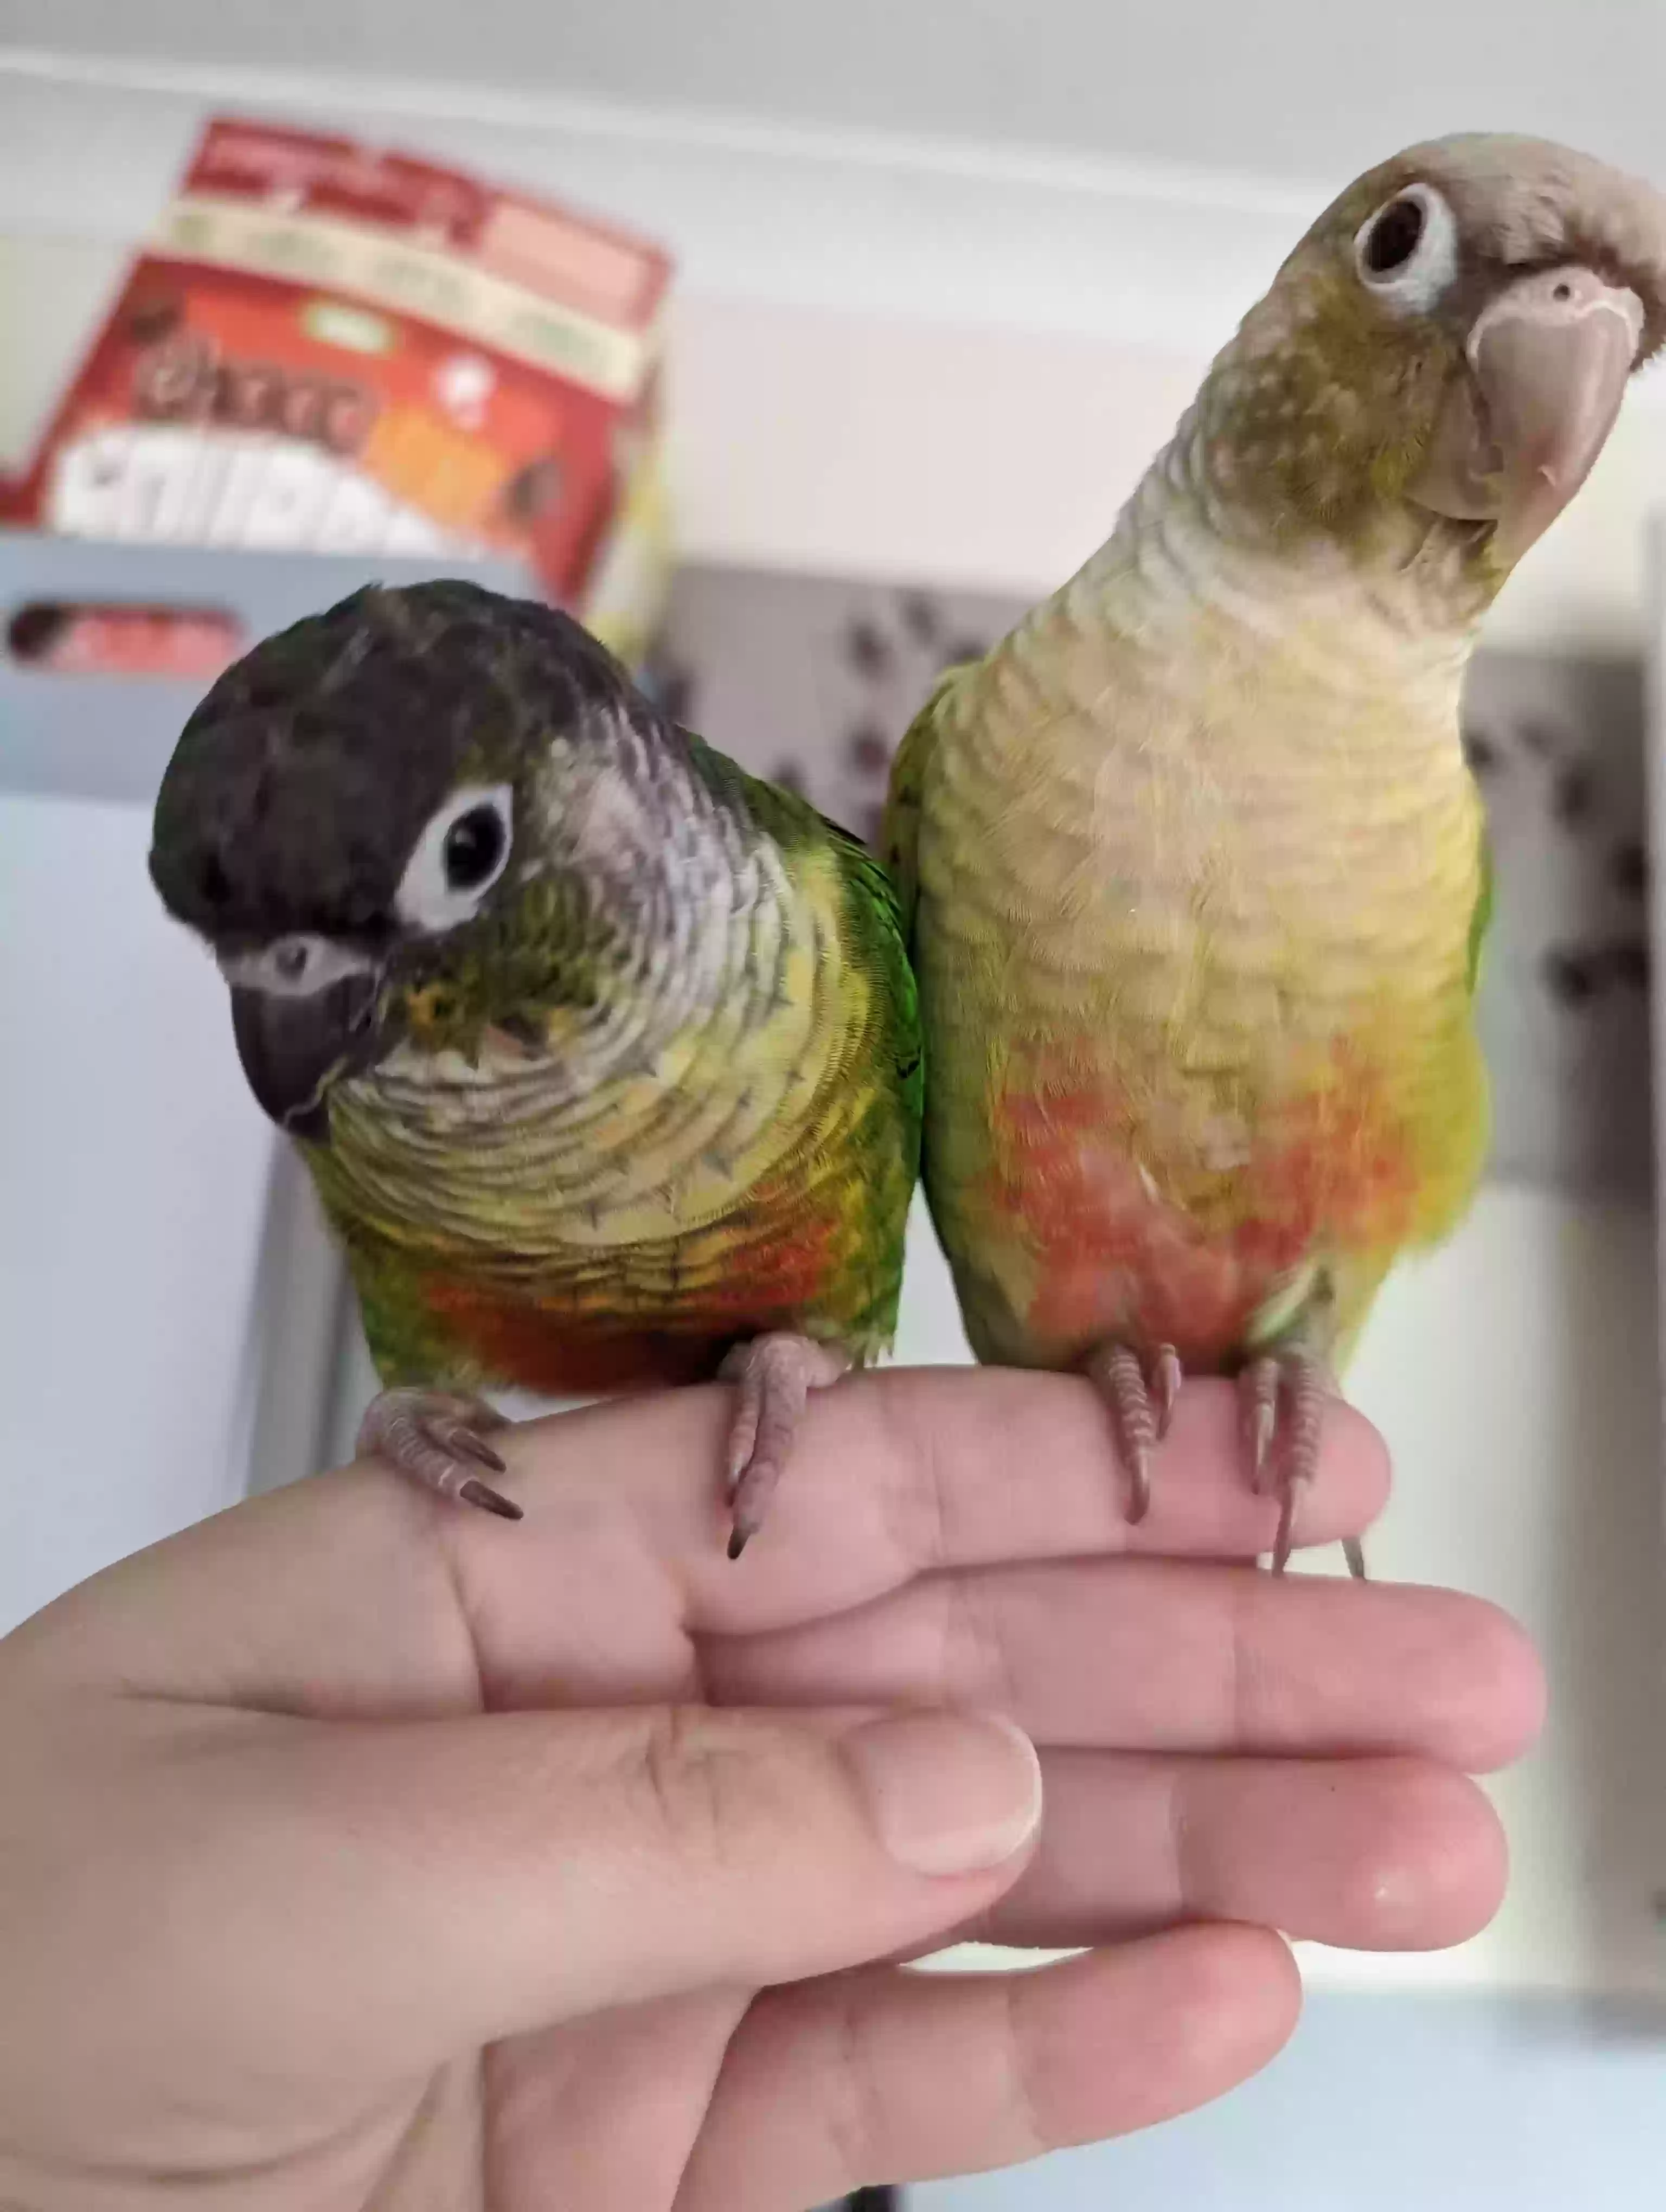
(355, 1852)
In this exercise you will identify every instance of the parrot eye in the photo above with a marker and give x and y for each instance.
(1392, 238)
(473, 847)
(1407, 253)
(460, 854)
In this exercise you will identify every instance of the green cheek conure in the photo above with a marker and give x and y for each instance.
(1193, 863)
(604, 1055)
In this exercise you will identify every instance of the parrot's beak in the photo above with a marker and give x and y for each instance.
(1548, 360)
(294, 1048)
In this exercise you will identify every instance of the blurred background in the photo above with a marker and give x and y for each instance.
(798, 348)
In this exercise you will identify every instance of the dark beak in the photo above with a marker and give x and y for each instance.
(293, 1049)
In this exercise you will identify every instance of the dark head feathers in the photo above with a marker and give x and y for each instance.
(303, 780)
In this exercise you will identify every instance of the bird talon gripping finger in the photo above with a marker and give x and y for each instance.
(1136, 1426)
(1285, 1454)
(775, 1373)
(1193, 866)
(438, 1438)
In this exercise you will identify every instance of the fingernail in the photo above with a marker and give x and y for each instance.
(950, 1793)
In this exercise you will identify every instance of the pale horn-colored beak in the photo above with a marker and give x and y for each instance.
(1549, 360)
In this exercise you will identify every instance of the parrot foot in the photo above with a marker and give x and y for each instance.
(775, 1373)
(1304, 1383)
(1138, 1426)
(438, 1438)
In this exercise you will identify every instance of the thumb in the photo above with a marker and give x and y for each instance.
(457, 1881)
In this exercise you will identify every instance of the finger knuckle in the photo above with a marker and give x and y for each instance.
(707, 1797)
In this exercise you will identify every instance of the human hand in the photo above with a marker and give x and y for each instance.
(355, 1851)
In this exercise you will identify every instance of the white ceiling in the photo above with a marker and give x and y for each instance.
(1299, 90)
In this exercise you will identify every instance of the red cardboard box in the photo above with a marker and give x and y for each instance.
(328, 348)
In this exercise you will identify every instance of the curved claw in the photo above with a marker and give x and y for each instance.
(1304, 1382)
(456, 1437)
(476, 1492)
(434, 1438)
(1167, 1375)
(1115, 1372)
(1260, 1389)
(1139, 1466)
(1284, 1541)
(774, 1376)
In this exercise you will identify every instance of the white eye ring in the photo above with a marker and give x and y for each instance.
(1415, 280)
(434, 893)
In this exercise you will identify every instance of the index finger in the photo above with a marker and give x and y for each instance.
(352, 1593)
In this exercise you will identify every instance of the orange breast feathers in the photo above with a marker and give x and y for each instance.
(662, 1313)
(1134, 1234)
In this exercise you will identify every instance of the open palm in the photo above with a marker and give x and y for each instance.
(359, 1852)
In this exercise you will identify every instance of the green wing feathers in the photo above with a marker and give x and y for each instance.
(874, 923)
(875, 933)
(1482, 920)
(899, 836)
(881, 1075)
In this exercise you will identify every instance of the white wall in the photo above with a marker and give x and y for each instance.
(1291, 89)
(161, 1333)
